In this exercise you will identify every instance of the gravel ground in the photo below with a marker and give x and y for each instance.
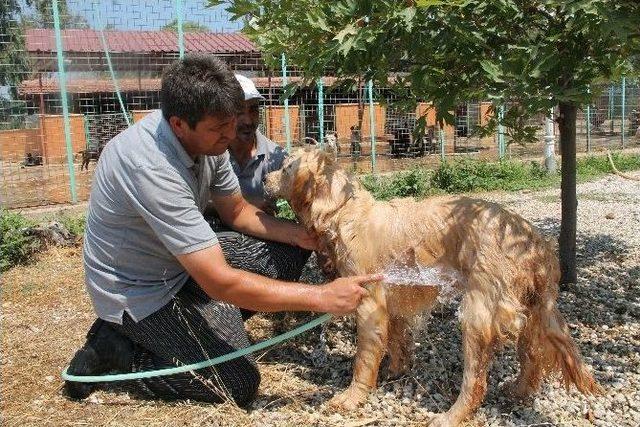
(603, 310)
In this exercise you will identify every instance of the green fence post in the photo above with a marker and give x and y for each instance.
(180, 28)
(116, 86)
(442, 142)
(588, 128)
(549, 143)
(85, 122)
(611, 106)
(65, 105)
(321, 112)
(501, 145)
(468, 121)
(624, 99)
(287, 131)
(372, 126)
(589, 123)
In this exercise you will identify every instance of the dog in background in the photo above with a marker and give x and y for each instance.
(88, 155)
(331, 143)
(506, 272)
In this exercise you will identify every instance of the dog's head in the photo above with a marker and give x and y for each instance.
(312, 183)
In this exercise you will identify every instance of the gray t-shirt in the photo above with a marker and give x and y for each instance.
(269, 157)
(145, 208)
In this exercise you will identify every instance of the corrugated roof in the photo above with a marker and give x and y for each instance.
(88, 41)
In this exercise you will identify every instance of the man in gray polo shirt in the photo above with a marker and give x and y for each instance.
(156, 275)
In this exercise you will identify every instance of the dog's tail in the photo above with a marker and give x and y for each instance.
(545, 346)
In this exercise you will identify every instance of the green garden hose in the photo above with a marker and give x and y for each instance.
(204, 364)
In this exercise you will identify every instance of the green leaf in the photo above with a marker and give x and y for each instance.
(493, 70)
(407, 15)
(427, 3)
(317, 20)
(349, 30)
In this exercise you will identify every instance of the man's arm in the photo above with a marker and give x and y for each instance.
(242, 216)
(251, 291)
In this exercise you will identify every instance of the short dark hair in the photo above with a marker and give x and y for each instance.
(199, 85)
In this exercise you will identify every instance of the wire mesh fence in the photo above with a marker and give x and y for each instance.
(72, 80)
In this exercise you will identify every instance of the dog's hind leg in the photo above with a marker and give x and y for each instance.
(532, 362)
(478, 343)
(545, 346)
(372, 325)
(401, 346)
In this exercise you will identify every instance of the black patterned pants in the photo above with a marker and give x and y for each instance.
(192, 327)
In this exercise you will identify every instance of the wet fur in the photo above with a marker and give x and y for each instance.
(508, 279)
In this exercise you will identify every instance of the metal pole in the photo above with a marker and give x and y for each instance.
(588, 124)
(501, 146)
(372, 126)
(442, 141)
(287, 131)
(65, 106)
(105, 47)
(611, 102)
(321, 112)
(624, 90)
(588, 129)
(180, 28)
(549, 144)
(468, 121)
(86, 132)
(43, 143)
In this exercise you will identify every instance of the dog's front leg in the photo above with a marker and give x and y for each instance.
(372, 332)
(401, 346)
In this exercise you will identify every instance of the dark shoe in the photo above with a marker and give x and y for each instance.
(105, 350)
(85, 362)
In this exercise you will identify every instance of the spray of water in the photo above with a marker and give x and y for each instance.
(416, 275)
(397, 274)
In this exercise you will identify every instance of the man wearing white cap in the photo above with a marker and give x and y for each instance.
(253, 156)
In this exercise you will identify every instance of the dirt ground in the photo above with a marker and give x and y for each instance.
(46, 312)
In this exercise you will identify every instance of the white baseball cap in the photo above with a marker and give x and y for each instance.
(250, 91)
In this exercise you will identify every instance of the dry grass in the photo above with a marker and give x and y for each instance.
(45, 315)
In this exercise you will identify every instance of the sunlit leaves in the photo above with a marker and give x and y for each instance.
(530, 53)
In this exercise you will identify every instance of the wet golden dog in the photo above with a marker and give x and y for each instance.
(506, 273)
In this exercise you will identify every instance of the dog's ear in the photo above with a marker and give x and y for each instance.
(303, 192)
(323, 160)
(332, 188)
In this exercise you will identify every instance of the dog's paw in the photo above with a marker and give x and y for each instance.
(442, 420)
(349, 399)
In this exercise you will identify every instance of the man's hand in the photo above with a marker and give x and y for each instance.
(304, 239)
(343, 295)
(238, 214)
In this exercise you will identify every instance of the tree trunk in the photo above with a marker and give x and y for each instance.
(567, 126)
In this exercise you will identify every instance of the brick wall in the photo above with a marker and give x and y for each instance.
(55, 150)
(15, 144)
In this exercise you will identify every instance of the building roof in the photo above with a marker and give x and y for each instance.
(89, 41)
(34, 87)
